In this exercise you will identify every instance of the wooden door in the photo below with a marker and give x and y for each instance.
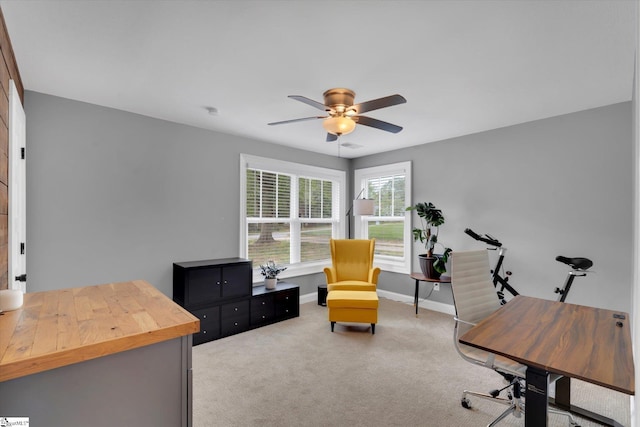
(8, 70)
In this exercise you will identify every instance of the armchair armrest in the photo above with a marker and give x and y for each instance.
(330, 272)
(373, 275)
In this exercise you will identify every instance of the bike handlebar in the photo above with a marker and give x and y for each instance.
(489, 240)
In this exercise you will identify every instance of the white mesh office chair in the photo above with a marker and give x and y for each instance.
(475, 298)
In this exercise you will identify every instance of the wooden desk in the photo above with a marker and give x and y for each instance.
(97, 355)
(553, 337)
(419, 277)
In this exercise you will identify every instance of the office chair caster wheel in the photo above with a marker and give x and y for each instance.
(465, 403)
(494, 393)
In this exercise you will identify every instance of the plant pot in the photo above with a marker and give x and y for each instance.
(270, 283)
(426, 265)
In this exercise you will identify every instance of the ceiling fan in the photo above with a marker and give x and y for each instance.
(342, 116)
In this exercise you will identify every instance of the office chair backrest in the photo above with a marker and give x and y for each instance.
(352, 258)
(474, 295)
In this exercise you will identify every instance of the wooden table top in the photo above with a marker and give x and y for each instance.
(67, 326)
(423, 278)
(571, 340)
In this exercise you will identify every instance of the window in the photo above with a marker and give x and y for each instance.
(289, 212)
(390, 188)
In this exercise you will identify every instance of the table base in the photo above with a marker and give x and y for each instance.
(563, 401)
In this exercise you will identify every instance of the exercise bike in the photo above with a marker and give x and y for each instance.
(579, 268)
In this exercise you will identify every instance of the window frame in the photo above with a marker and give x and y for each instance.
(296, 170)
(387, 263)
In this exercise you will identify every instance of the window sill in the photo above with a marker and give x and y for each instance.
(295, 271)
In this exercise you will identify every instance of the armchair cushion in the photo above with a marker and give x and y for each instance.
(351, 285)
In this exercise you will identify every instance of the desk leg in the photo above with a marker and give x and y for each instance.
(563, 401)
(563, 394)
(536, 397)
(415, 298)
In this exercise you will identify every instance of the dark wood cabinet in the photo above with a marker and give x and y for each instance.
(220, 293)
(262, 310)
(209, 324)
(235, 317)
(201, 283)
(288, 303)
(268, 306)
(202, 286)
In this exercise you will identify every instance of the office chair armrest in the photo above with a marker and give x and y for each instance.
(489, 362)
(463, 321)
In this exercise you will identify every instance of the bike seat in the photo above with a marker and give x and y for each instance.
(577, 263)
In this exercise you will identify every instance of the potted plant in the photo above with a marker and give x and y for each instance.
(431, 219)
(270, 271)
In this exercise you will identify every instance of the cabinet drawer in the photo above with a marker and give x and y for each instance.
(262, 309)
(235, 317)
(209, 325)
(287, 303)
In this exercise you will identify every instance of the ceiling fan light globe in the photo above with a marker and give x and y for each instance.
(339, 125)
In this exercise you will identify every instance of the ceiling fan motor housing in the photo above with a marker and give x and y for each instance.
(339, 97)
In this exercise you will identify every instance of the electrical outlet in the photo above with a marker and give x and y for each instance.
(436, 287)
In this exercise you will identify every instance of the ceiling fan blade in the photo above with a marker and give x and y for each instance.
(311, 102)
(297, 120)
(378, 124)
(331, 137)
(376, 104)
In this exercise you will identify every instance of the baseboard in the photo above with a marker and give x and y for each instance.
(308, 298)
(426, 304)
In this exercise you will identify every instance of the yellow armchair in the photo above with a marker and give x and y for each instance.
(352, 265)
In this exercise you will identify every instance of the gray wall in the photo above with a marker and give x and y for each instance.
(114, 196)
(560, 186)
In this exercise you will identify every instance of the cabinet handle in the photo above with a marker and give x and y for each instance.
(235, 309)
(286, 298)
(204, 332)
(204, 317)
(225, 282)
(264, 317)
(263, 302)
(286, 311)
(218, 282)
(236, 323)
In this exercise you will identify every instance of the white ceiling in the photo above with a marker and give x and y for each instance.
(463, 66)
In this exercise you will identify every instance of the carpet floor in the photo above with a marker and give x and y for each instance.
(298, 373)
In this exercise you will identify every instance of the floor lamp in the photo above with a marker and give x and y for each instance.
(359, 207)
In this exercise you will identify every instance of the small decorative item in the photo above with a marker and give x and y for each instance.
(270, 271)
(10, 299)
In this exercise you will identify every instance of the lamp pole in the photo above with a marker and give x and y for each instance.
(349, 213)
